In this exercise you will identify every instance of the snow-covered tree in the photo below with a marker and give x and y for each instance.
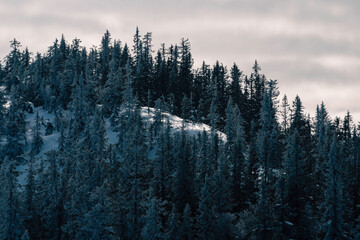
(37, 140)
(10, 218)
(332, 221)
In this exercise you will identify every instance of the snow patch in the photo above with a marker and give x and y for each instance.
(193, 129)
(51, 141)
(289, 223)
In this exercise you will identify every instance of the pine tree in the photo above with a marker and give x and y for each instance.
(354, 175)
(105, 55)
(10, 223)
(235, 86)
(298, 218)
(161, 75)
(163, 166)
(133, 172)
(186, 226)
(206, 213)
(266, 154)
(114, 84)
(13, 61)
(153, 223)
(285, 114)
(173, 231)
(251, 169)
(15, 126)
(98, 133)
(2, 112)
(174, 95)
(29, 202)
(301, 124)
(322, 141)
(332, 219)
(37, 140)
(219, 81)
(96, 222)
(256, 92)
(235, 150)
(79, 105)
(183, 181)
(49, 197)
(203, 165)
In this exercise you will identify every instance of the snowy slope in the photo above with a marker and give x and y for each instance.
(176, 123)
(7, 97)
(51, 141)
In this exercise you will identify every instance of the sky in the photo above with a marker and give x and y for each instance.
(311, 47)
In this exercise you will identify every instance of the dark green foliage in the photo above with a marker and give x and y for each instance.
(269, 174)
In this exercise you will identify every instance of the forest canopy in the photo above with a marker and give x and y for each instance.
(277, 174)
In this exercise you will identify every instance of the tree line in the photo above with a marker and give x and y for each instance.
(279, 174)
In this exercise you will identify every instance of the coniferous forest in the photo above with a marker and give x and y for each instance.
(79, 160)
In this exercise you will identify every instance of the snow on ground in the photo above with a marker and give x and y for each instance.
(51, 141)
(112, 137)
(193, 129)
(6, 97)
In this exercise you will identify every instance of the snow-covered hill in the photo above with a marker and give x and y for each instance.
(176, 123)
(51, 141)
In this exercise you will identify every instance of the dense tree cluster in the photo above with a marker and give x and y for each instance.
(279, 174)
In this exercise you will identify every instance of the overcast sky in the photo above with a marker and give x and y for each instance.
(311, 47)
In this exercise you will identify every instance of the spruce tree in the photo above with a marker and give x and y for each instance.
(9, 201)
(37, 140)
(332, 221)
(153, 224)
(206, 215)
(183, 181)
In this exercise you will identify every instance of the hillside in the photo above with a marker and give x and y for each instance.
(50, 142)
(115, 143)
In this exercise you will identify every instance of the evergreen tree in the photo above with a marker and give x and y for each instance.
(133, 172)
(29, 203)
(105, 55)
(13, 62)
(173, 231)
(235, 149)
(153, 226)
(183, 181)
(332, 218)
(185, 73)
(163, 166)
(37, 140)
(236, 92)
(186, 227)
(96, 222)
(322, 142)
(354, 183)
(114, 84)
(9, 201)
(51, 198)
(2, 112)
(251, 169)
(161, 75)
(298, 218)
(15, 127)
(285, 114)
(219, 81)
(256, 92)
(253, 173)
(206, 213)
